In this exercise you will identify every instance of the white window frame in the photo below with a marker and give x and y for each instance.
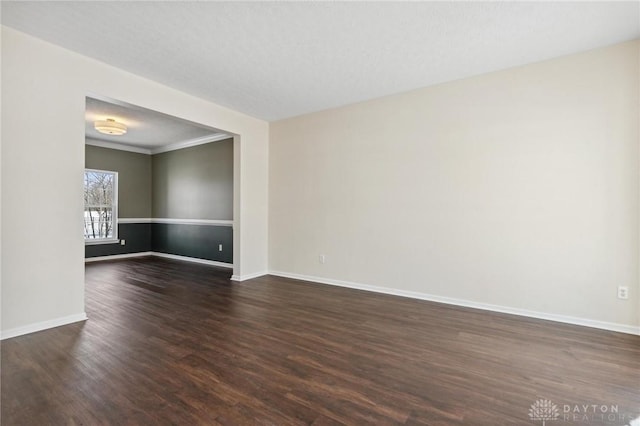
(114, 239)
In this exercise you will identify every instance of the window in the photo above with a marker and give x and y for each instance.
(100, 206)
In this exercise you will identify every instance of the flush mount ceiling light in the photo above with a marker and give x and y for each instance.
(110, 127)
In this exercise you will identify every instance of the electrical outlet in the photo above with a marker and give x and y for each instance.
(623, 292)
(122, 242)
(322, 258)
(219, 247)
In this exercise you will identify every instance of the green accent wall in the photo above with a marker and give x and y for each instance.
(134, 178)
(194, 183)
(136, 235)
(199, 241)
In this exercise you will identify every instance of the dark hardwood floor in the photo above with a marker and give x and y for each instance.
(175, 343)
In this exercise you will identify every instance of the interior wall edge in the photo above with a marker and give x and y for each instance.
(50, 82)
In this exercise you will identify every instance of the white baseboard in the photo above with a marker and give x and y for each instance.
(621, 328)
(117, 256)
(193, 259)
(248, 276)
(44, 325)
(157, 254)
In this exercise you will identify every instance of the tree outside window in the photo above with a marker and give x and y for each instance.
(100, 205)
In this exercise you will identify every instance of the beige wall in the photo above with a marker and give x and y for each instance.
(134, 178)
(43, 96)
(194, 183)
(517, 189)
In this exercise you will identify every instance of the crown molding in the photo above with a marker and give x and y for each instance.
(191, 142)
(171, 147)
(116, 145)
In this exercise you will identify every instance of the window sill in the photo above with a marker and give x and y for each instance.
(105, 241)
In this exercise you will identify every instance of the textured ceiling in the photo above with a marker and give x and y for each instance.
(146, 129)
(279, 59)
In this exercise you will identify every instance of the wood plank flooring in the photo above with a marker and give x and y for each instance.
(176, 343)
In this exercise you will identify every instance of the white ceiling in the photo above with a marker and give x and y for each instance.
(279, 59)
(147, 129)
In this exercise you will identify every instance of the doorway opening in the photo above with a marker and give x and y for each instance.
(157, 185)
